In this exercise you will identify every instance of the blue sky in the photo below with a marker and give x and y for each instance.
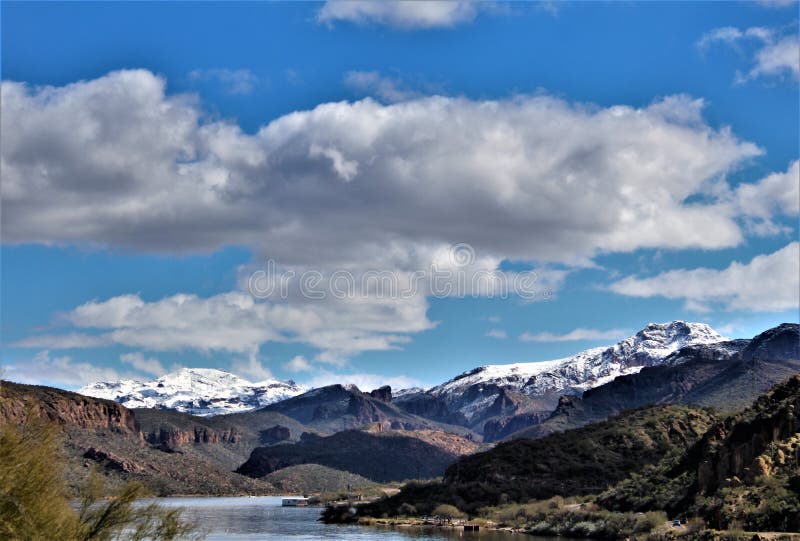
(639, 157)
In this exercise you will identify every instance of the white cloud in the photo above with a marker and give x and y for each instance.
(298, 363)
(251, 369)
(777, 59)
(235, 322)
(775, 194)
(769, 282)
(500, 334)
(528, 178)
(62, 371)
(365, 382)
(575, 334)
(405, 14)
(773, 54)
(235, 81)
(148, 365)
(389, 89)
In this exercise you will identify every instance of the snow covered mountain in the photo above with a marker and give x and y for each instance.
(199, 391)
(494, 390)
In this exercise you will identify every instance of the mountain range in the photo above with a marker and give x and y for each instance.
(336, 427)
(469, 399)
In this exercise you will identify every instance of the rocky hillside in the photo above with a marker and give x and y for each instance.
(379, 455)
(728, 376)
(343, 407)
(105, 435)
(745, 471)
(177, 453)
(582, 461)
(493, 392)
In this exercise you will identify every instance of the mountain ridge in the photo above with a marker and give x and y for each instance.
(198, 391)
(488, 392)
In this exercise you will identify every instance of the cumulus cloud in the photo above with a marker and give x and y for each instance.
(251, 368)
(773, 54)
(234, 81)
(404, 14)
(63, 371)
(500, 334)
(575, 334)
(528, 178)
(775, 194)
(298, 363)
(235, 322)
(769, 282)
(777, 59)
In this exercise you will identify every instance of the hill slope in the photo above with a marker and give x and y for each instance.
(582, 461)
(378, 455)
(103, 434)
(744, 472)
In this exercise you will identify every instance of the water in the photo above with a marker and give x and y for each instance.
(238, 519)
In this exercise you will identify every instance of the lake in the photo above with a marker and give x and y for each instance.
(264, 518)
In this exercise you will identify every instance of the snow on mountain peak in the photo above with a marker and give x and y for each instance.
(577, 373)
(199, 391)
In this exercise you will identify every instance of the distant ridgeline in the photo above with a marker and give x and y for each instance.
(662, 380)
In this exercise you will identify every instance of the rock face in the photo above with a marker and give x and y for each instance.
(176, 438)
(276, 434)
(112, 461)
(496, 391)
(199, 391)
(781, 342)
(63, 407)
(384, 394)
(733, 448)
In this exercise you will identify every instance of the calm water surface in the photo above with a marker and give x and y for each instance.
(264, 518)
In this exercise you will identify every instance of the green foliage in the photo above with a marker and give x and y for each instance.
(34, 502)
(555, 517)
(33, 497)
(448, 511)
(312, 478)
(744, 473)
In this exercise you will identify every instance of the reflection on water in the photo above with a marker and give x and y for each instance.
(264, 518)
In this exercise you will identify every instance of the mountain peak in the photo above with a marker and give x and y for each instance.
(199, 391)
(472, 391)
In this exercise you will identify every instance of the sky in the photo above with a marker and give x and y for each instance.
(388, 192)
